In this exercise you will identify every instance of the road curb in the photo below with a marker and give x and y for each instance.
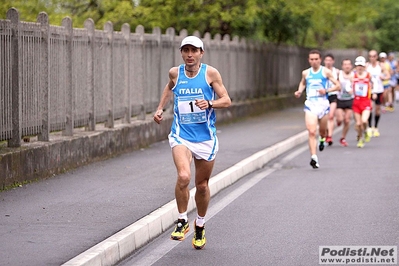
(120, 245)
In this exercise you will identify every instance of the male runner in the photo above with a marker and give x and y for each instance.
(378, 73)
(345, 99)
(193, 133)
(314, 79)
(387, 96)
(332, 96)
(393, 81)
(362, 102)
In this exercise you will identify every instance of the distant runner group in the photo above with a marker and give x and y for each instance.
(334, 96)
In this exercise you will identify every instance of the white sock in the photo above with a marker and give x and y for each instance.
(183, 216)
(314, 157)
(200, 221)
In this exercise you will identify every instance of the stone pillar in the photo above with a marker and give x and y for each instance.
(140, 32)
(127, 68)
(44, 134)
(109, 29)
(15, 141)
(70, 94)
(89, 25)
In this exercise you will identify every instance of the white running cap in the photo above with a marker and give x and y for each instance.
(192, 40)
(360, 61)
(382, 55)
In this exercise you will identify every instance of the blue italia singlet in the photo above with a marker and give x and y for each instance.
(190, 122)
(314, 82)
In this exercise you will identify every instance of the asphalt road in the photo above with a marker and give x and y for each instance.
(281, 214)
(51, 221)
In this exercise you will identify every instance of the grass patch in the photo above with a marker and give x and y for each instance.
(16, 185)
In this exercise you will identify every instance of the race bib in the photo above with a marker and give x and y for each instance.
(345, 95)
(314, 91)
(189, 112)
(361, 89)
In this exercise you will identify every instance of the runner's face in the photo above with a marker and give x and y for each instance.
(373, 57)
(347, 66)
(360, 69)
(191, 55)
(314, 60)
(328, 62)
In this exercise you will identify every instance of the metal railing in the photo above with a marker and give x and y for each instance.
(57, 78)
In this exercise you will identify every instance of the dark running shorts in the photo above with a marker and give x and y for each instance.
(332, 98)
(345, 104)
(378, 101)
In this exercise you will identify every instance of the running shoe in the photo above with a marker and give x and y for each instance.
(370, 131)
(367, 136)
(376, 133)
(388, 108)
(343, 142)
(314, 162)
(199, 239)
(329, 141)
(360, 143)
(180, 231)
(321, 143)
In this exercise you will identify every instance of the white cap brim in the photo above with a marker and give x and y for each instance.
(192, 40)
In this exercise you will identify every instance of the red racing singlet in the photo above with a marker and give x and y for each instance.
(362, 86)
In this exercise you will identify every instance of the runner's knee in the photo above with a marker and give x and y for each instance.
(312, 132)
(183, 179)
(202, 187)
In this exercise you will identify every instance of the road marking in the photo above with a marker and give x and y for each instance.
(165, 245)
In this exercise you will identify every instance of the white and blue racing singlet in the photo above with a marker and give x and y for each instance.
(190, 122)
(314, 82)
(334, 73)
(346, 86)
(375, 73)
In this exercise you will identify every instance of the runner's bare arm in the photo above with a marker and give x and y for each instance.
(302, 85)
(166, 94)
(215, 80)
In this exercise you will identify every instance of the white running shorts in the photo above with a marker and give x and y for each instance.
(205, 150)
(319, 107)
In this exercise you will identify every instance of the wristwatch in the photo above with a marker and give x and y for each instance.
(210, 104)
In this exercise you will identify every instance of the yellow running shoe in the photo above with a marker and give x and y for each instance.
(367, 136)
(180, 231)
(199, 239)
(370, 130)
(360, 143)
(376, 133)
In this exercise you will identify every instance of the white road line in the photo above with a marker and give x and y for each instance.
(167, 245)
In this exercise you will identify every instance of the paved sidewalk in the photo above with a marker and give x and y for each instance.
(54, 220)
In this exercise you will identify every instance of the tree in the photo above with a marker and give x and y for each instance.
(28, 10)
(233, 17)
(387, 27)
(366, 24)
(282, 24)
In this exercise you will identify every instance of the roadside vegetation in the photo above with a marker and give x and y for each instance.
(361, 24)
